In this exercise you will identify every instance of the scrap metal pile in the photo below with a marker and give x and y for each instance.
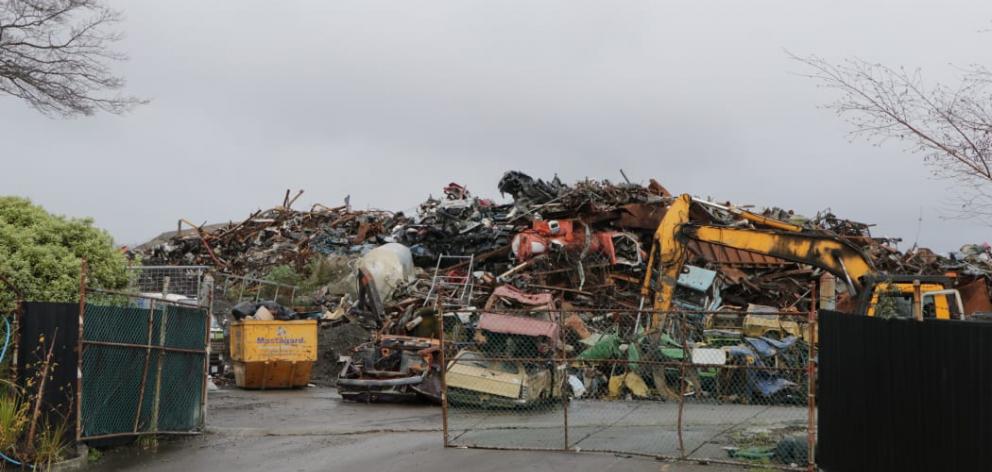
(558, 267)
(273, 237)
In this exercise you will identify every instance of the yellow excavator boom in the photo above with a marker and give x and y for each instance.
(823, 251)
(669, 254)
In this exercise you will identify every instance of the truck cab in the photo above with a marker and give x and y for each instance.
(908, 297)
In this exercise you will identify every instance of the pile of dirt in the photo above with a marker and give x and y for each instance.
(332, 343)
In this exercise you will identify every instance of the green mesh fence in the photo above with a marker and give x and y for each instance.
(137, 361)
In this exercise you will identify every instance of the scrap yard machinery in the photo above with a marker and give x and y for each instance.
(873, 292)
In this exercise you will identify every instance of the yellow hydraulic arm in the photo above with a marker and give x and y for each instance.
(668, 251)
(670, 255)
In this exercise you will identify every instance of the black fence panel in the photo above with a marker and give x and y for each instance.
(55, 326)
(904, 395)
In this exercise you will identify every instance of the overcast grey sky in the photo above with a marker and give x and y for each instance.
(389, 101)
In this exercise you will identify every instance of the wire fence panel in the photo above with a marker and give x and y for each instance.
(176, 280)
(233, 289)
(606, 382)
(143, 369)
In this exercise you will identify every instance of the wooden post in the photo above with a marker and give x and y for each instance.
(40, 393)
(917, 301)
(828, 291)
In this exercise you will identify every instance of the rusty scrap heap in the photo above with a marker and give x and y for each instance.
(273, 237)
(558, 258)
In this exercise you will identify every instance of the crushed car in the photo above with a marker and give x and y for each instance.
(474, 379)
(392, 369)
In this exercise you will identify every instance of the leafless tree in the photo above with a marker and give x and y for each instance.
(56, 55)
(951, 127)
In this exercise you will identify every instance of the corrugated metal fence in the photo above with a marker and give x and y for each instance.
(904, 395)
(47, 330)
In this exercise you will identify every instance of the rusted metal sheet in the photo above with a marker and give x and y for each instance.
(730, 256)
(658, 189)
(644, 216)
(975, 297)
(521, 325)
(639, 216)
(539, 300)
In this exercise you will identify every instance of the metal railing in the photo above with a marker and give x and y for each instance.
(236, 289)
(448, 289)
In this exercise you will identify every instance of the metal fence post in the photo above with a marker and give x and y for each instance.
(206, 358)
(811, 381)
(682, 379)
(144, 372)
(83, 272)
(156, 400)
(444, 369)
(15, 333)
(554, 368)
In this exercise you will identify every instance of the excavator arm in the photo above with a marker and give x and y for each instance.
(826, 252)
(669, 254)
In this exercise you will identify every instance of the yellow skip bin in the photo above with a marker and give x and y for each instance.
(273, 354)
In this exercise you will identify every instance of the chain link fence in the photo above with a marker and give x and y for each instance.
(143, 365)
(709, 386)
(202, 286)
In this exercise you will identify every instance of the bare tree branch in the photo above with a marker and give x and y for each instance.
(55, 55)
(950, 127)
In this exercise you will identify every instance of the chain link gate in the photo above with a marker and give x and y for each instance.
(711, 386)
(143, 365)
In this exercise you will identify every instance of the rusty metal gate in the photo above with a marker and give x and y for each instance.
(724, 387)
(143, 365)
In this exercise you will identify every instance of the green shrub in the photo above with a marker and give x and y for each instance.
(42, 254)
(283, 274)
(325, 270)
